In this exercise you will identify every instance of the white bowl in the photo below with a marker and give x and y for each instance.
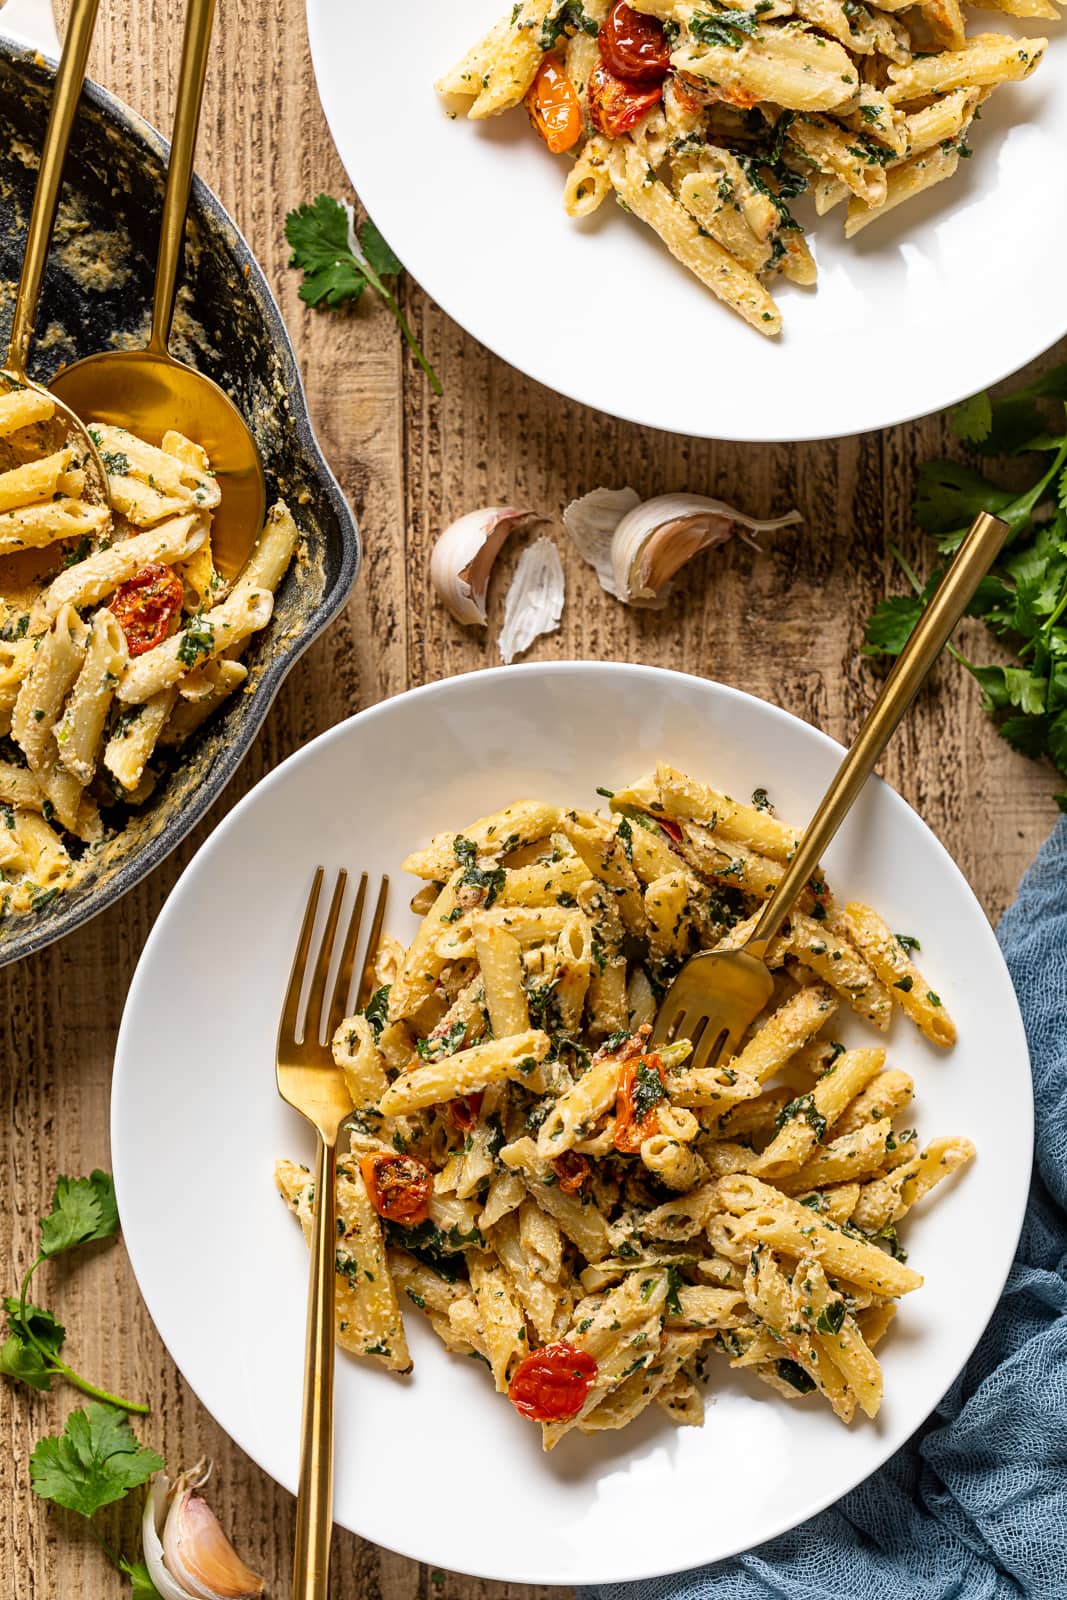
(944, 296)
(437, 1466)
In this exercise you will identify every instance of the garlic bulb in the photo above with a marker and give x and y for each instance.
(535, 600)
(463, 558)
(186, 1552)
(637, 546)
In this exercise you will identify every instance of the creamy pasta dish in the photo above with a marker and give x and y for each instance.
(706, 120)
(118, 636)
(591, 1217)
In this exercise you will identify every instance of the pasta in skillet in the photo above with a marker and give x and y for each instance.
(706, 119)
(118, 636)
(595, 1219)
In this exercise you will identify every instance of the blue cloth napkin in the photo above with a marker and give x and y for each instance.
(974, 1507)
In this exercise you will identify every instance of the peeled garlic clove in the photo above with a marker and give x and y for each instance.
(186, 1552)
(463, 558)
(535, 600)
(591, 522)
(657, 537)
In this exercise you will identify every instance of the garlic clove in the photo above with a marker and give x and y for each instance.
(534, 602)
(656, 538)
(646, 563)
(186, 1552)
(591, 522)
(155, 1514)
(463, 558)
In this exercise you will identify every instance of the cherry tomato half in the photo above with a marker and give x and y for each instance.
(551, 1384)
(616, 106)
(572, 1171)
(553, 107)
(636, 1118)
(634, 46)
(463, 1112)
(145, 604)
(399, 1186)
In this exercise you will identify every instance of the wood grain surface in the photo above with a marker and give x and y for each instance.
(785, 624)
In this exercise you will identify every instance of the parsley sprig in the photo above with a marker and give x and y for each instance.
(83, 1210)
(1023, 599)
(339, 264)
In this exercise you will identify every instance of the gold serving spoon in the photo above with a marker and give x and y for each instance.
(718, 994)
(150, 392)
(70, 76)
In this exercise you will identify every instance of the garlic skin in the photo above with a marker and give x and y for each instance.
(636, 546)
(591, 522)
(463, 558)
(534, 602)
(186, 1552)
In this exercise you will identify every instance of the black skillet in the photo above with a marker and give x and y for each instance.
(98, 290)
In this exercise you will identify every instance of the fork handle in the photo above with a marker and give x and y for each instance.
(932, 632)
(314, 1504)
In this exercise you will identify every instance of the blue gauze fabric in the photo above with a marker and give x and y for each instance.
(974, 1507)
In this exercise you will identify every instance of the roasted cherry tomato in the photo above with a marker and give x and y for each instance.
(634, 46)
(553, 107)
(636, 1118)
(463, 1112)
(550, 1384)
(572, 1171)
(616, 106)
(145, 604)
(671, 829)
(399, 1186)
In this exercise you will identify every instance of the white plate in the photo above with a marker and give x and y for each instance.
(959, 288)
(438, 1467)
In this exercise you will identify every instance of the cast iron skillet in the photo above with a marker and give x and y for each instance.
(97, 291)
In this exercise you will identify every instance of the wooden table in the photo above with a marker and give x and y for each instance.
(786, 625)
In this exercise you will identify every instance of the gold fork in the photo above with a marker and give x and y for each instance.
(310, 1082)
(717, 995)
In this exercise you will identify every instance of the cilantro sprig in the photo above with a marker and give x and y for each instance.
(95, 1462)
(1023, 598)
(339, 263)
(83, 1210)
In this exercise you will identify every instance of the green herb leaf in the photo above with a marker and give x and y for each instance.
(795, 1376)
(891, 624)
(949, 496)
(647, 1091)
(334, 275)
(141, 1584)
(385, 263)
(830, 1317)
(318, 236)
(95, 1461)
(83, 1209)
(26, 1359)
(376, 1010)
(725, 28)
(972, 420)
(20, 1357)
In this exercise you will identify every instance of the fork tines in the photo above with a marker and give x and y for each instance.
(328, 1007)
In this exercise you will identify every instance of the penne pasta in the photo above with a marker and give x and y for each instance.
(603, 1217)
